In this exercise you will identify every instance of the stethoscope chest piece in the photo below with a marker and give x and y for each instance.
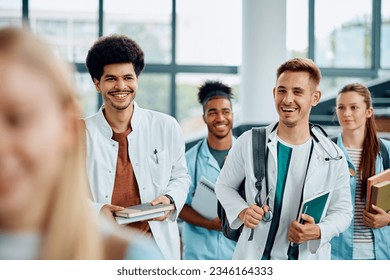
(268, 216)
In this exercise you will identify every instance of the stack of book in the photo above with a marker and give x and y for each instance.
(378, 191)
(142, 212)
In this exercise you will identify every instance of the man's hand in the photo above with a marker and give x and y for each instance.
(108, 210)
(252, 215)
(161, 200)
(378, 220)
(215, 224)
(299, 233)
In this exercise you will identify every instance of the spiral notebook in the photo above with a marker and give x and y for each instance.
(205, 201)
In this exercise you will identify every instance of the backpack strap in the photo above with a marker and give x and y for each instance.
(258, 149)
(258, 142)
(384, 154)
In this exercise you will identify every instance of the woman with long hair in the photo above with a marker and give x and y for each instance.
(368, 236)
(44, 207)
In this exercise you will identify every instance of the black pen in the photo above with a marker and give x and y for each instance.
(155, 153)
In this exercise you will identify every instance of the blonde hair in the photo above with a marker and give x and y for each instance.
(70, 231)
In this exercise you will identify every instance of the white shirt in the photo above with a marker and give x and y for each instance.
(292, 195)
(164, 173)
(323, 175)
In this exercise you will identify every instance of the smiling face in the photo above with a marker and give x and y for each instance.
(218, 117)
(118, 86)
(352, 111)
(294, 95)
(33, 140)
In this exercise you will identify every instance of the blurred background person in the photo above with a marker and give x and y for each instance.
(202, 237)
(44, 211)
(368, 236)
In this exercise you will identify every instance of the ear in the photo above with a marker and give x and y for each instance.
(316, 98)
(97, 84)
(274, 92)
(369, 112)
(204, 118)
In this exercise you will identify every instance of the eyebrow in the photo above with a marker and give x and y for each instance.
(294, 88)
(223, 109)
(114, 76)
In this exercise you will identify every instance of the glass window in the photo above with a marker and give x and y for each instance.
(330, 86)
(87, 93)
(71, 27)
(154, 92)
(209, 32)
(148, 22)
(10, 13)
(385, 36)
(189, 111)
(343, 33)
(297, 28)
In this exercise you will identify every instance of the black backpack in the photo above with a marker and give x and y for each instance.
(258, 143)
(382, 150)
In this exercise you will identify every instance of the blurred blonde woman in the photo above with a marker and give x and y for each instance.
(44, 212)
(368, 236)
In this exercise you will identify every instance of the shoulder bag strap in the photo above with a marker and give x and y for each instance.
(384, 154)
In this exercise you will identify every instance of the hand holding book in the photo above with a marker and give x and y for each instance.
(311, 212)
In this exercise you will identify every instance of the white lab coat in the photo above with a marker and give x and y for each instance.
(164, 173)
(322, 175)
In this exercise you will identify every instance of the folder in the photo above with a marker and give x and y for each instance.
(315, 206)
(141, 212)
(205, 201)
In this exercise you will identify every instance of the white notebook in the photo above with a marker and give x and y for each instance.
(205, 201)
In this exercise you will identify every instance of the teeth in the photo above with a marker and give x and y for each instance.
(120, 95)
(288, 109)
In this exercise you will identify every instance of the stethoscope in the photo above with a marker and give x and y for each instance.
(269, 214)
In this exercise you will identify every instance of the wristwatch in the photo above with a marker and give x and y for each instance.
(170, 198)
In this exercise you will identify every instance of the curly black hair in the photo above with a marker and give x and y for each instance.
(114, 49)
(213, 86)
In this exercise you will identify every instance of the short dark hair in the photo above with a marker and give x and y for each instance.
(301, 65)
(209, 90)
(114, 49)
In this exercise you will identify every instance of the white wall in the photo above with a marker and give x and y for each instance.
(263, 50)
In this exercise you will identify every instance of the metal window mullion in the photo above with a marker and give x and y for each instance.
(172, 68)
(376, 36)
(311, 30)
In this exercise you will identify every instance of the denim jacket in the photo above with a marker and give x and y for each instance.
(342, 246)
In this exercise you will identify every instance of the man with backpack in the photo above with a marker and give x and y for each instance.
(300, 162)
(202, 237)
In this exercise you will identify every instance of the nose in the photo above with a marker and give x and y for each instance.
(5, 143)
(220, 116)
(347, 112)
(288, 98)
(120, 84)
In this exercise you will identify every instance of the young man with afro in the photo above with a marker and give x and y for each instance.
(134, 155)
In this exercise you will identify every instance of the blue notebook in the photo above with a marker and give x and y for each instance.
(315, 206)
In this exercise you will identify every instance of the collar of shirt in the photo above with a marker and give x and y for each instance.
(106, 128)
